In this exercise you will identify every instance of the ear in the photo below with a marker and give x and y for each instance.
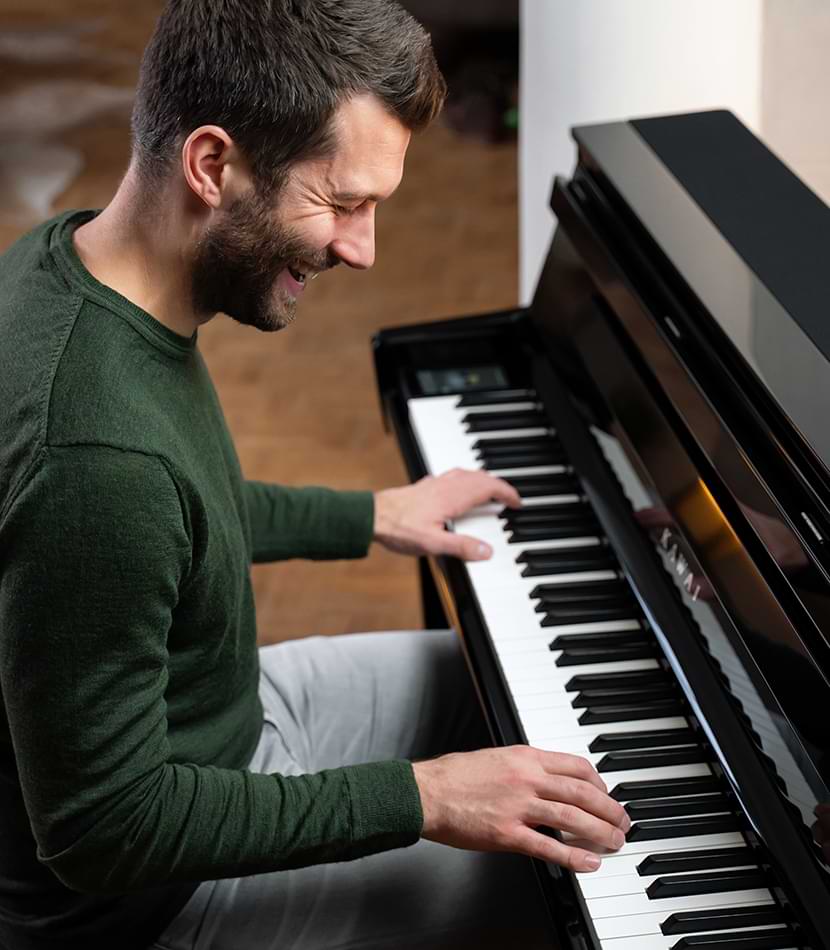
(205, 157)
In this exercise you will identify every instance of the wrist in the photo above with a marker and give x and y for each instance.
(385, 516)
(430, 803)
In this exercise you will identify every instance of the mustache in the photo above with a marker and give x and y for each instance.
(318, 263)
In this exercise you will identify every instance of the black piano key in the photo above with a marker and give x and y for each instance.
(675, 862)
(651, 758)
(582, 656)
(494, 463)
(662, 787)
(495, 421)
(647, 739)
(613, 697)
(629, 713)
(508, 445)
(505, 448)
(593, 592)
(610, 638)
(722, 918)
(543, 446)
(549, 561)
(575, 528)
(585, 613)
(781, 938)
(495, 397)
(706, 882)
(694, 826)
(533, 514)
(570, 599)
(624, 679)
(676, 807)
(536, 486)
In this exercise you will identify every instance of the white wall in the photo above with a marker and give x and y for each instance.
(796, 79)
(586, 61)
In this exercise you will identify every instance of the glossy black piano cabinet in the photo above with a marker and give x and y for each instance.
(678, 343)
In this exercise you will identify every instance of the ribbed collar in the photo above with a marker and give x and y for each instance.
(72, 267)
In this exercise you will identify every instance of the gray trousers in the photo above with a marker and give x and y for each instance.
(333, 701)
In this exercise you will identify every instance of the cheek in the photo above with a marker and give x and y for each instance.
(318, 233)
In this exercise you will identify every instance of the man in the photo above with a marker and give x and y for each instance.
(146, 746)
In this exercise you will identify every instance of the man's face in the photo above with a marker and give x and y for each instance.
(254, 261)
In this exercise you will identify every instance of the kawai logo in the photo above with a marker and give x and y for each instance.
(679, 564)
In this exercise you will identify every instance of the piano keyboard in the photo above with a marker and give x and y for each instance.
(585, 675)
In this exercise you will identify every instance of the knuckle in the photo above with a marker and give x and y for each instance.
(574, 790)
(573, 860)
(503, 837)
(584, 767)
(566, 815)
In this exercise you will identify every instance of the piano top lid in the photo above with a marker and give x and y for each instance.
(747, 236)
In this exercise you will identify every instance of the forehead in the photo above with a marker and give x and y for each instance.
(370, 147)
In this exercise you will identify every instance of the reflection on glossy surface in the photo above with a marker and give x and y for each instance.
(774, 735)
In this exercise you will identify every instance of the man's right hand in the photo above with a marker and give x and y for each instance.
(494, 799)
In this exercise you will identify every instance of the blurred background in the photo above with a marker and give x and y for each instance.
(466, 232)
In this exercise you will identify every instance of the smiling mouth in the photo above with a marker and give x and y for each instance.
(300, 276)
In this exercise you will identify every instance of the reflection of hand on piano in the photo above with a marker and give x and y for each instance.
(495, 799)
(777, 537)
(821, 828)
(412, 519)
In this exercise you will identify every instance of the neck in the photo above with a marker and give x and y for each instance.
(142, 255)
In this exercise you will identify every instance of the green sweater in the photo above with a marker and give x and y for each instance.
(128, 660)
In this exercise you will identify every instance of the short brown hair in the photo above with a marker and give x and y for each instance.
(272, 73)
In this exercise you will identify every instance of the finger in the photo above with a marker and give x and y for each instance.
(653, 518)
(577, 822)
(506, 492)
(563, 763)
(538, 845)
(477, 488)
(586, 796)
(460, 546)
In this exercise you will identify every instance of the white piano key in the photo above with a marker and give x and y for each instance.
(634, 904)
(656, 940)
(525, 405)
(537, 680)
(516, 642)
(593, 886)
(545, 735)
(625, 865)
(529, 469)
(726, 839)
(649, 775)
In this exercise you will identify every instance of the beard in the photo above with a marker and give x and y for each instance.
(238, 260)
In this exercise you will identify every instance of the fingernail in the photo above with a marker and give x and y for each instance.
(626, 824)
(617, 839)
(484, 550)
(592, 862)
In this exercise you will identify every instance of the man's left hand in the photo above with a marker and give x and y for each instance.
(412, 519)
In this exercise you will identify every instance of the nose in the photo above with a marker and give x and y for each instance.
(355, 241)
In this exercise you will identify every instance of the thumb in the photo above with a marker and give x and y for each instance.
(464, 547)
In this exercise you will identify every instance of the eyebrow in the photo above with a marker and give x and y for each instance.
(355, 196)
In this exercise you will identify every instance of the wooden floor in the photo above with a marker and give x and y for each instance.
(301, 403)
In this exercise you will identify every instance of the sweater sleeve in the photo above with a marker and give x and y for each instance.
(96, 549)
(316, 523)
